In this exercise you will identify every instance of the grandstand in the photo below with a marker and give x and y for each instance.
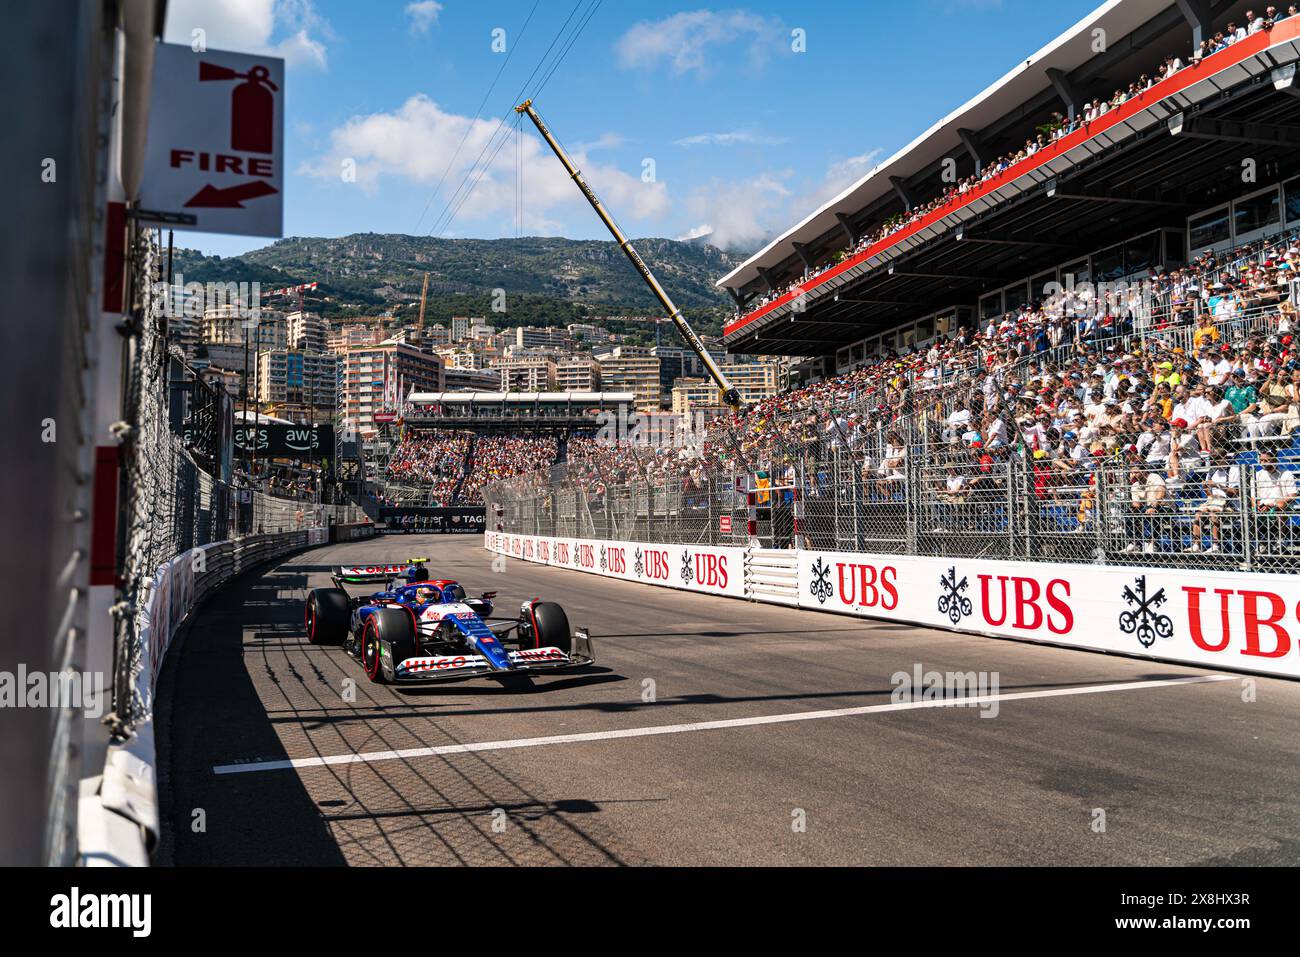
(1075, 167)
(1057, 326)
(450, 444)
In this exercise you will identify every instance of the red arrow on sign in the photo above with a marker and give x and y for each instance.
(232, 197)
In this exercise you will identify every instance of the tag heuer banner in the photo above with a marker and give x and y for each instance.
(457, 519)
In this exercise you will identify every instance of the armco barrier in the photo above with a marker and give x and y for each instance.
(1238, 621)
(118, 819)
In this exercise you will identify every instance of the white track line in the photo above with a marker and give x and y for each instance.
(370, 757)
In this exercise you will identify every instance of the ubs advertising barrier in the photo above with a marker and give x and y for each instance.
(716, 570)
(460, 520)
(1240, 621)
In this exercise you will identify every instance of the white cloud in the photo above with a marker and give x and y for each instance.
(840, 176)
(744, 214)
(733, 138)
(738, 213)
(696, 232)
(286, 28)
(423, 15)
(416, 142)
(606, 141)
(687, 40)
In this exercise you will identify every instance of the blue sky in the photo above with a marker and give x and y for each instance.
(742, 134)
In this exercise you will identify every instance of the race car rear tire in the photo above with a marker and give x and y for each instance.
(394, 627)
(327, 616)
(551, 627)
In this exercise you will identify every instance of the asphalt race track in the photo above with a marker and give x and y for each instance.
(1184, 772)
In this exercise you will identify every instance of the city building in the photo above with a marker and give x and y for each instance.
(350, 335)
(306, 331)
(229, 325)
(754, 381)
(632, 369)
(471, 380)
(298, 384)
(533, 337)
(577, 374)
(526, 373)
(586, 332)
(377, 377)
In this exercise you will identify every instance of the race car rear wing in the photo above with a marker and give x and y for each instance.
(366, 574)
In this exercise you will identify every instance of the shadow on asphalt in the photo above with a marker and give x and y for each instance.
(212, 701)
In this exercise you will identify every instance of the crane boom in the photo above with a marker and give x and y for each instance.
(730, 395)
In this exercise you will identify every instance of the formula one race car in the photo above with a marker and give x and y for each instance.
(419, 629)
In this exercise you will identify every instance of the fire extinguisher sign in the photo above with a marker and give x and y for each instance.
(215, 156)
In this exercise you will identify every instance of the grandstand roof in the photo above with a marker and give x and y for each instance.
(1071, 49)
(465, 398)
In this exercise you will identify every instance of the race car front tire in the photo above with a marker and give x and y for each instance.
(391, 627)
(550, 626)
(327, 616)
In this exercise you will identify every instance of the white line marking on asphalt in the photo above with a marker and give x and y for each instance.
(370, 757)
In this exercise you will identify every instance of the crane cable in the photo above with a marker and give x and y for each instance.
(445, 221)
(477, 113)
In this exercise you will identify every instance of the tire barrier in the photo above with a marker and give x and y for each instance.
(1238, 621)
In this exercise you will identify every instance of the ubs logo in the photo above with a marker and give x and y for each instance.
(953, 602)
(820, 586)
(1142, 616)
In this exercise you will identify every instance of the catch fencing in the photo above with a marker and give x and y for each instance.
(1204, 495)
(182, 533)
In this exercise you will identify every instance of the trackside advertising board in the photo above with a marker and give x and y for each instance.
(1249, 622)
(1239, 621)
(714, 570)
(452, 519)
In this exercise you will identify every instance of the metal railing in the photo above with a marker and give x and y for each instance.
(1217, 512)
(915, 483)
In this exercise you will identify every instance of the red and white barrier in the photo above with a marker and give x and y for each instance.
(712, 569)
(1232, 620)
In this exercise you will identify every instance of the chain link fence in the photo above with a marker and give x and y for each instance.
(169, 505)
(1196, 495)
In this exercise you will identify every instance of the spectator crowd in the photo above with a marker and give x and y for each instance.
(1058, 126)
(1147, 416)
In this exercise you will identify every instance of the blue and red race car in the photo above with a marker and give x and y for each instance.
(419, 629)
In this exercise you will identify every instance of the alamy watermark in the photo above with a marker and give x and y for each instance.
(956, 689)
(177, 299)
(53, 689)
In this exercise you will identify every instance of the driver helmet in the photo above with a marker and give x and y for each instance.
(425, 595)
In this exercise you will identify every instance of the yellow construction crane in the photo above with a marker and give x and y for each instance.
(729, 393)
(424, 295)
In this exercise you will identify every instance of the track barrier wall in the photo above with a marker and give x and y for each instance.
(118, 814)
(1225, 620)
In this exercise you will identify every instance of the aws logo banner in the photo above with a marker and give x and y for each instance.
(1225, 620)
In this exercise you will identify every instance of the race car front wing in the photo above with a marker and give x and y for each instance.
(523, 661)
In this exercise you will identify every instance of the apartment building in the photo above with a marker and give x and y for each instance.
(377, 377)
(632, 369)
(226, 325)
(526, 373)
(297, 383)
(577, 374)
(306, 331)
